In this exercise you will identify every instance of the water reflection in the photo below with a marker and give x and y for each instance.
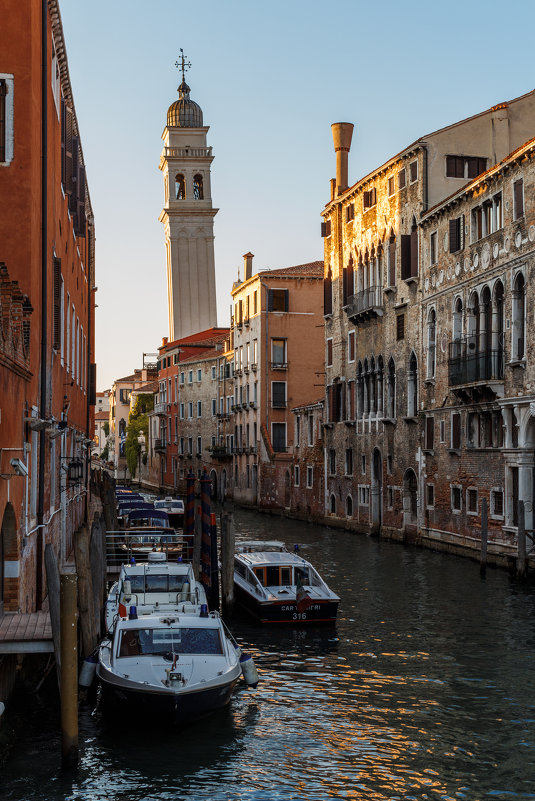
(424, 689)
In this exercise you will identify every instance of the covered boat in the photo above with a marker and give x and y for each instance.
(176, 668)
(277, 586)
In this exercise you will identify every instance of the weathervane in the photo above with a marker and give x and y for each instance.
(183, 64)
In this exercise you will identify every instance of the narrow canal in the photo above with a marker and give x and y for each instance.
(424, 690)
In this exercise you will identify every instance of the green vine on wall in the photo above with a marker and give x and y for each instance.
(138, 422)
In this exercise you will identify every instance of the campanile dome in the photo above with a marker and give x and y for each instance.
(184, 112)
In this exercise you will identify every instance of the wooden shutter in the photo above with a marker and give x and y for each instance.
(429, 432)
(92, 390)
(73, 199)
(456, 431)
(3, 123)
(270, 300)
(392, 262)
(414, 253)
(324, 229)
(518, 189)
(68, 152)
(56, 322)
(330, 403)
(454, 235)
(286, 299)
(327, 294)
(344, 286)
(405, 256)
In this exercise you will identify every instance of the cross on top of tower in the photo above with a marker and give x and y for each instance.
(183, 64)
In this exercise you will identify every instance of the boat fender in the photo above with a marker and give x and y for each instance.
(249, 671)
(239, 651)
(87, 673)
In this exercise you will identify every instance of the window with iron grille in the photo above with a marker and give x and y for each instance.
(456, 499)
(278, 394)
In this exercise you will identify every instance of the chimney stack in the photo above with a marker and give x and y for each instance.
(342, 133)
(248, 265)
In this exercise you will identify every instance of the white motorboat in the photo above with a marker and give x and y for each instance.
(277, 586)
(174, 508)
(153, 587)
(175, 667)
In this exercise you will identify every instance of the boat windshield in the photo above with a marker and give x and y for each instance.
(157, 642)
(155, 582)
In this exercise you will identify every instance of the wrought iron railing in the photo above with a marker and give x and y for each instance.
(468, 365)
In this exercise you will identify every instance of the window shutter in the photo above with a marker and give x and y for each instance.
(92, 392)
(286, 299)
(456, 431)
(324, 229)
(414, 252)
(405, 256)
(270, 300)
(3, 93)
(56, 333)
(454, 235)
(73, 199)
(327, 294)
(430, 432)
(344, 286)
(392, 262)
(519, 198)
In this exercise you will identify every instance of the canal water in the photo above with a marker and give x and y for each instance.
(425, 689)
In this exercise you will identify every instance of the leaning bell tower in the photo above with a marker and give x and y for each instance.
(188, 216)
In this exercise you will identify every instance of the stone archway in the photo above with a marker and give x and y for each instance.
(8, 552)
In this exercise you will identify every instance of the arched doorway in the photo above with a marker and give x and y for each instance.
(213, 479)
(377, 488)
(410, 499)
(8, 547)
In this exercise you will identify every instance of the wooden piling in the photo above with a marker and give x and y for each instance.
(214, 572)
(197, 544)
(69, 669)
(227, 562)
(484, 537)
(53, 589)
(85, 591)
(521, 560)
(97, 560)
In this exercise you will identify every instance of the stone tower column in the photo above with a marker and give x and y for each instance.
(188, 219)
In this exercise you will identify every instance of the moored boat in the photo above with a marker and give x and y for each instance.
(277, 586)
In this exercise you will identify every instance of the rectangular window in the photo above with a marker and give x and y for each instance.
(442, 431)
(310, 476)
(465, 166)
(57, 289)
(363, 464)
(456, 431)
(326, 228)
(213, 372)
(310, 430)
(199, 408)
(429, 432)
(413, 171)
(329, 357)
(349, 461)
(278, 431)
(391, 187)
(402, 179)
(409, 255)
(199, 446)
(430, 496)
(278, 300)
(456, 230)
(297, 430)
(364, 495)
(456, 499)
(199, 375)
(351, 346)
(190, 410)
(190, 377)
(400, 327)
(350, 212)
(182, 411)
(369, 198)
(278, 394)
(214, 406)
(496, 503)
(471, 501)
(332, 461)
(433, 248)
(6, 119)
(392, 261)
(278, 353)
(296, 475)
(518, 199)
(182, 378)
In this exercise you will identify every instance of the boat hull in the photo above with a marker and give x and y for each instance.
(166, 707)
(320, 611)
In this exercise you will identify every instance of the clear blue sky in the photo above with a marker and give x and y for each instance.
(270, 78)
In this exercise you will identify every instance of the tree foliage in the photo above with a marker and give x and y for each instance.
(138, 422)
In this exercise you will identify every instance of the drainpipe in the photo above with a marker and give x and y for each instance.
(44, 298)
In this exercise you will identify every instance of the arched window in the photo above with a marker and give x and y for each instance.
(412, 387)
(197, 187)
(458, 320)
(349, 506)
(333, 504)
(180, 186)
(360, 391)
(496, 341)
(519, 318)
(379, 386)
(391, 390)
(431, 342)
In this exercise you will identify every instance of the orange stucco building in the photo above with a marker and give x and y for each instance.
(47, 371)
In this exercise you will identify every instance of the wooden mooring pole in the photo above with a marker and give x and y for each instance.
(227, 562)
(69, 668)
(521, 557)
(484, 537)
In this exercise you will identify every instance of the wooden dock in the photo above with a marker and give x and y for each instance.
(25, 634)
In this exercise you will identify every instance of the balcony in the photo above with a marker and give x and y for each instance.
(161, 409)
(475, 373)
(188, 152)
(365, 304)
(220, 452)
(160, 445)
(279, 365)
